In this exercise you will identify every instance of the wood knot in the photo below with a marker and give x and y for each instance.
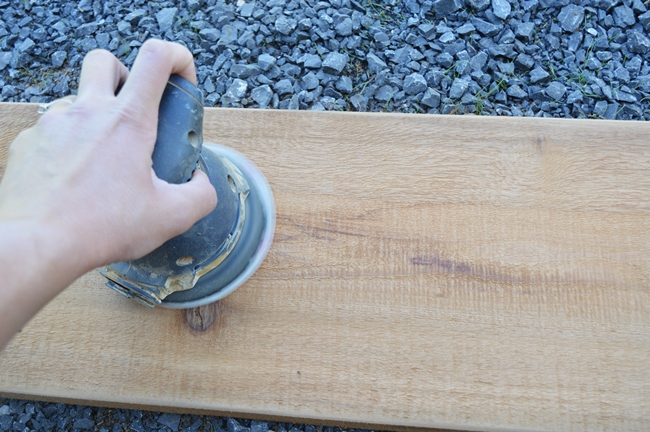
(201, 318)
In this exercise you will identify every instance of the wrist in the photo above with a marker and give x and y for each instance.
(43, 254)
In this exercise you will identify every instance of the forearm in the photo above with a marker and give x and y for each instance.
(36, 264)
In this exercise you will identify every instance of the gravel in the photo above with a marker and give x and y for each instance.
(19, 415)
(544, 58)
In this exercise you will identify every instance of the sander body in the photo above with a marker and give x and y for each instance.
(222, 250)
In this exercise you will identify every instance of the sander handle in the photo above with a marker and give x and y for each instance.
(179, 136)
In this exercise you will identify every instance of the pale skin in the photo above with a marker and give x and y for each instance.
(79, 191)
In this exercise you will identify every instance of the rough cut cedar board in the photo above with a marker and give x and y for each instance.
(436, 271)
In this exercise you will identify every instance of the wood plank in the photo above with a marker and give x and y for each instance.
(427, 271)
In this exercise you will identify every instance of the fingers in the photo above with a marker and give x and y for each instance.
(101, 74)
(188, 202)
(156, 61)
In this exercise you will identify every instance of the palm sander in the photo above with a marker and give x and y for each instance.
(222, 250)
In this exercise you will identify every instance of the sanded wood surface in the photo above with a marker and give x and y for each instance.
(434, 271)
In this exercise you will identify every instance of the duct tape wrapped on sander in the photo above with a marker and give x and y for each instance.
(222, 250)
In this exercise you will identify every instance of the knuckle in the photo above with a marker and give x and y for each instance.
(154, 47)
(99, 54)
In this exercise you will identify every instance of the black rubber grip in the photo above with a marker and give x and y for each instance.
(180, 131)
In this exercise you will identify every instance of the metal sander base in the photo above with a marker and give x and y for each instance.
(252, 246)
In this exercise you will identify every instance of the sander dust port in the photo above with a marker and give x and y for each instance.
(222, 250)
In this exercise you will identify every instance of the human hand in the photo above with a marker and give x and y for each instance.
(82, 175)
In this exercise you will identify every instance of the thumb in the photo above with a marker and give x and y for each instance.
(191, 201)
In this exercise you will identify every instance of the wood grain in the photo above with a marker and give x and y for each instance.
(427, 271)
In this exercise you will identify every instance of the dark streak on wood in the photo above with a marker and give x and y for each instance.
(201, 318)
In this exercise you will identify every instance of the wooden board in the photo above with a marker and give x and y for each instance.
(427, 271)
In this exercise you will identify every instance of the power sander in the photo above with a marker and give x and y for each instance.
(222, 250)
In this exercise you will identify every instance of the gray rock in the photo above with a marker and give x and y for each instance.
(20, 60)
(375, 64)
(637, 42)
(304, 24)
(244, 71)
(465, 29)
(516, 92)
(623, 96)
(593, 63)
(87, 29)
(58, 57)
(262, 95)
(524, 62)
(607, 4)
(6, 421)
(165, 18)
(611, 111)
(447, 37)
(479, 5)
(237, 90)
(5, 59)
(600, 107)
(124, 27)
(574, 41)
(445, 60)
(555, 90)
(90, 43)
(644, 19)
(458, 88)
(134, 17)
(294, 103)
(622, 74)
(85, 5)
(266, 61)
(312, 61)
(486, 28)
(334, 63)
(194, 5)
(414, 84)
(525, 31)
(344, 85)
(431, 98)
(462, 67)
(283, 87)
(507, 37)
(639, 7)
(574, 97)
(84, 424)
(571, 17)
(285, 25)
(427, 30)
(624, 16)
(9, 91)
(344, 28)
(501, 8)
(538, 75)
(385, 93)
(210, 34)
(228, 35)
(27, 46)
(4, 409)
(234, 426)
(259, 426)
(381, 39)
(246, 11)
(447, 7)
(310, 81)
(478, 62)
(359, 102)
